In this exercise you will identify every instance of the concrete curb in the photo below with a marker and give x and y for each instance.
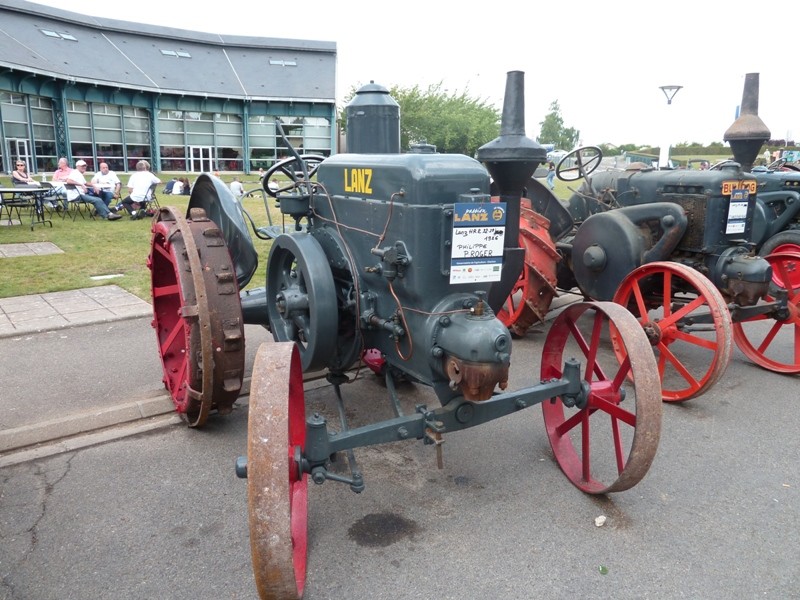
(82, 423)
(22, 331)
(91, 439)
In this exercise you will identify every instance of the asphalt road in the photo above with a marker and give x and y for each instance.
(162, 515)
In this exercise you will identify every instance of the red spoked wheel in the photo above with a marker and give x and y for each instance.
(772, 341)
(197, 315)
(686, 321)
(608, 442)
(515, 306)
(533, 292)
(277, 492)
(781, 243)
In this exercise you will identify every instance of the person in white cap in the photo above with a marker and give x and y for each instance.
(79, 191)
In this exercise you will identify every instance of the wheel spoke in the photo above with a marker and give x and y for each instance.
(179, 379)
(683, 311)
(694, 339)
(162, 251)
(173, 334)
(679, 367)
(586, 446)
(165, 290)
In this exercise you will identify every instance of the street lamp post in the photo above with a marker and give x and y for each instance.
(663, 155)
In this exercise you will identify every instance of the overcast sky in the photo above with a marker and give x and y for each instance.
(602, 60)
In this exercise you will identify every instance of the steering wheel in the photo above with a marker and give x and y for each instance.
(581, 162)
(292, 168)
(723, 163)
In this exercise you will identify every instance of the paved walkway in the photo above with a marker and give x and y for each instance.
(29, 249)
(46, 312)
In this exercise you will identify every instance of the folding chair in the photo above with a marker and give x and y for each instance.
(53, 197)
(148, 205)
(77, 205)
(151, 200)
(19, 201)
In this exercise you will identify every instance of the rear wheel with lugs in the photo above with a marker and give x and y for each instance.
(196, 314)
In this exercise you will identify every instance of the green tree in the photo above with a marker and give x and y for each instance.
(552, 130)
(453, 122)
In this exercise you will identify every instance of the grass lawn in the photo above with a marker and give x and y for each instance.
(93, 248)
(99, 247)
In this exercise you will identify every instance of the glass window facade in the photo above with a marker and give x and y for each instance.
(118, 135)
(195, 141)
(309, 135)
(189, 140)
(28, 131)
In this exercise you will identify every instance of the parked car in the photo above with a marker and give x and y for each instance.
(556, 155)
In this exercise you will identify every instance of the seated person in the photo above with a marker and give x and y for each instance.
(170, 185)
(177, 187)
(60, 177)
(237, 188)
(139, 189)
(19, 176)
(76, 190)
(105, 184)
(186, 188)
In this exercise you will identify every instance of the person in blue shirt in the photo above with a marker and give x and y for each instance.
(551, 175)
(170, 185)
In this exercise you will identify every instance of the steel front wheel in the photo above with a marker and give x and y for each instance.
(687, 322)
(772, 340)
(197, 315)
(277, 491)
(607, 442)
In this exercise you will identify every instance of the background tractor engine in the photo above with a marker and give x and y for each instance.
(702, 219)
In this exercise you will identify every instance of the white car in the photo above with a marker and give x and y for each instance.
(556, 155)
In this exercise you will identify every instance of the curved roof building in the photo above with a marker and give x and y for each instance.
(97, 89)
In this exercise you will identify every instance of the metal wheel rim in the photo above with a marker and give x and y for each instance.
(298, 274)
(708, 295)
(794, 273)
(277, 495)
(637, 372)
(187, 291)
(743, 331)
(515, 306)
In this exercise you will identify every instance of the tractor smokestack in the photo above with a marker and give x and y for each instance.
(748, 133)
(511, 159)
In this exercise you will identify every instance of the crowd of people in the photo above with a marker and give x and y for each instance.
(104, 190)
